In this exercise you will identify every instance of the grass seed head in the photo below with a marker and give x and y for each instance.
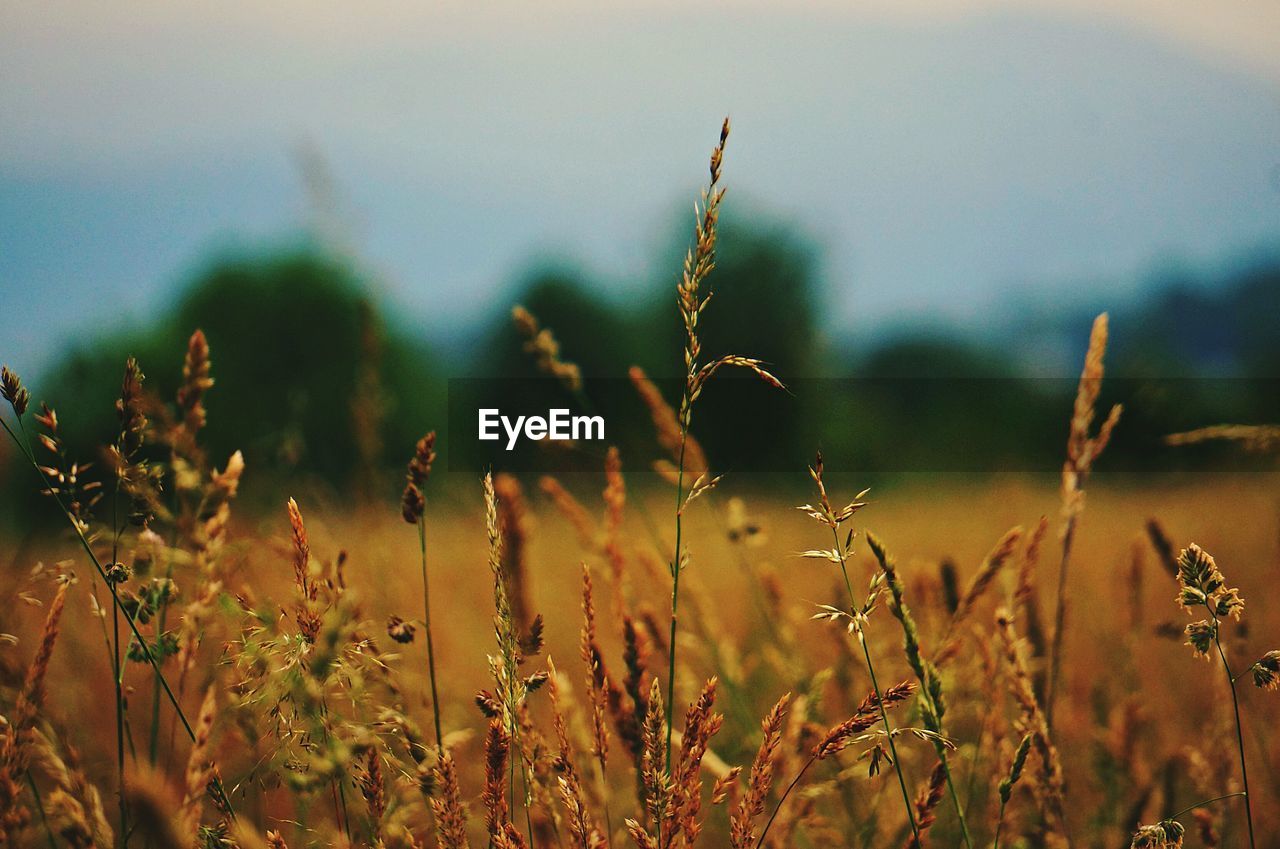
(13, 391)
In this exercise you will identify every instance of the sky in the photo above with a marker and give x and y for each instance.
(953, 160)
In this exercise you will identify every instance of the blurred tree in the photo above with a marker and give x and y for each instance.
(308, 377)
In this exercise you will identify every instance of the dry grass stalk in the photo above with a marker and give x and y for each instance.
(497, 745)
(1259, 439)
(927, 802)
(412, 509)
(857, 616)
(1083, 448)
(982, 580)
(511, 686)
(666, 427)
(868, 714)
(74, 807)
(1050, 779)
(571, 508)
(450, 815)
(540, 343)
(683, 819)
(412, 501)
(16, 746)
(598, 695)
(305, 613)
(615, 501)
(1163, 546)
(513, 525)
(577, 810)
(654, 776)
(196, 381)
(698, 263)
(373, 789)
(12, 390)
(742, 833)
(1026, 601)
(200, 768)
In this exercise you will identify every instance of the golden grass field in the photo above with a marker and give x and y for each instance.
(276, 669)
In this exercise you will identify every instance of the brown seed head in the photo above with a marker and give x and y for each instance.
(195, 382)
(13, 391)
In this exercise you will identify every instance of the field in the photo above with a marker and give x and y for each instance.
(512, 662)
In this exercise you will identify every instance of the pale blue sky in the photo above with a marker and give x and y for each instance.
(1041, 152)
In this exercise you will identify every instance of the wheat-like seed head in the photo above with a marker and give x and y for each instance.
(12, 390)
(412, 502)
(541, 344)
(1259, 439)
(450, 815)
(742, 831)
(195, 383)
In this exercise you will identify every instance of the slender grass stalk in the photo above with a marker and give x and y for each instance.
(1203, 585)
(431, 650)
(813, 759)
(1206, 802)
(413, 510)
(675, 595)
(1082, 450)
(512, 688)
(698, 264)
(1235, 706)
(118, 677)
(875, 686)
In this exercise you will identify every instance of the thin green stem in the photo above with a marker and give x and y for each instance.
(875, 686)
(675, 589)
(119, 664)
(1191, 808)
(884, 716)
(955, 797)
(426, 613)
(999, 826)
(1235, 705)
(783, 798)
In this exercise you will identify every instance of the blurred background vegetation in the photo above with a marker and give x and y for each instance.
(317, 378)
(927, 208)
